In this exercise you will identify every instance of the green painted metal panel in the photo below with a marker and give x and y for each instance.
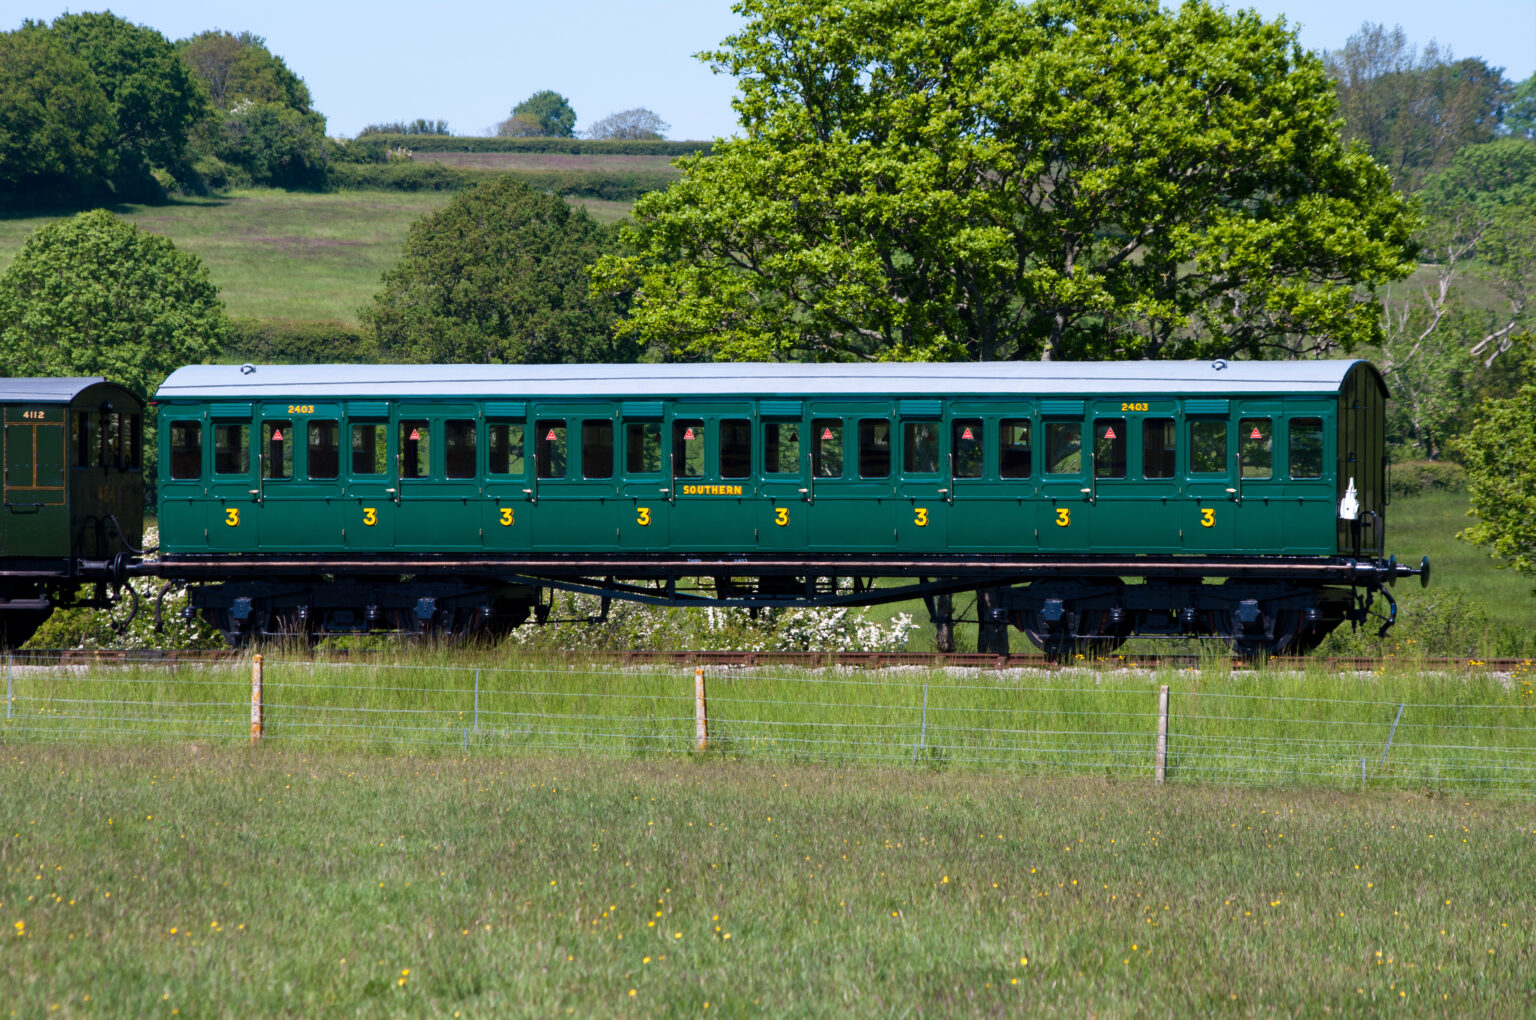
(368, 409)
(1206, 406)
(506, 408)
(781, 408)
(229, 410)
(1061, 407)
(641, 409)
(921, 408)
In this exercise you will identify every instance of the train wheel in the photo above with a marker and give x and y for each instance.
(1088, 633)
(1255, 643)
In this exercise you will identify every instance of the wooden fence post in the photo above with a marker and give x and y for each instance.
(1161, 765)
(257, 706)
(700, 714)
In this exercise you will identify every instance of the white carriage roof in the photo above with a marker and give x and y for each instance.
(45, 389)
(761, 379)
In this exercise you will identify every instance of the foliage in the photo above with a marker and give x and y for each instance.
(573, 146)
(982, 179)
(1413, 111)
(278, 341)
(155, 102)
(93, 295)
(1520, 114)
(634, 626)
(1499, 453)
(638, 123)
(1418, 477)
(498, 275)
(612, 186)
(419, 126)
(56, 126)
(521, 125)
(551, 111)
(264, 122)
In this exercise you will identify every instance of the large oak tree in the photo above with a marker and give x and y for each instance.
(988, 179)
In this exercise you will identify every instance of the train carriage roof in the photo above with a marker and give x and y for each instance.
(50, 389)
(1117, 378)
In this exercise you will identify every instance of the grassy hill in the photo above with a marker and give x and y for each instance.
(293, 256)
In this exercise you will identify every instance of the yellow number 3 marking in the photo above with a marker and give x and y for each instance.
(232, 517)
(1207, 518)
(642, 515)
(370, 515)
(781, 515)
(1063, 517)
(506, 517)
(921, 517)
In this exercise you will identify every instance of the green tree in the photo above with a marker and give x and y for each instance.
(499, 275)
(92, 295)
(984, 179)
(1414, 111)
(265, 124)
(1520, 115)
(154, 99)
(552, 111)
(56, 127)
(1499, 453)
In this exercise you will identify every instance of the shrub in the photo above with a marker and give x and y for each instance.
(571, 146)
(266, 341)
(1420, 477)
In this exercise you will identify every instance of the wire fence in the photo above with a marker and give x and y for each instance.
(1267, 730)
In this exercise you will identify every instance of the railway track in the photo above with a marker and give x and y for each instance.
(804, 660)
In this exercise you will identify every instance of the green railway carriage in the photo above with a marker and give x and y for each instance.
(73, 494)
(1244, 500)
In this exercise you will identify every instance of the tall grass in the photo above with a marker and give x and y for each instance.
(1401, 726)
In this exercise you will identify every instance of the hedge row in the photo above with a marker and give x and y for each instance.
(570, 146)
(620, 186)
(1420, 477)
(276, 342)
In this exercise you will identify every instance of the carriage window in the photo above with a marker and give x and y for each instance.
(874, 448)
(186, 449)
(597, 448)
(965, 448)
(735, 448)
(231, 448)
(133, 440)
(920, 447)
(549, 448)
(277, 449)
(1014, 456)
(1109, 448)
(781, 448)
(415, 449)
(1255, 437)
(1207, 447)
(459, 448)
(827, 449)
(85, 439)
(1306, 447)
(1158, 441)
(688, 448)
(111, 439)
(1063, 447)
(504, 448)
(324, 449)
(370, 448)
(642, 447)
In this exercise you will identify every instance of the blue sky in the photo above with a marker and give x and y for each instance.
(469, 62)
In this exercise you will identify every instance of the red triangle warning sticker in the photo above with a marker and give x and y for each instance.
(415, 436)
(688, 434)
(826, 433)
(967, 434)
(549, 437)
(1109, 433)
(277, 435)
(1255, 433)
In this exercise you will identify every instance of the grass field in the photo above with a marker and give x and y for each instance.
(196, 882)
(278, 254)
